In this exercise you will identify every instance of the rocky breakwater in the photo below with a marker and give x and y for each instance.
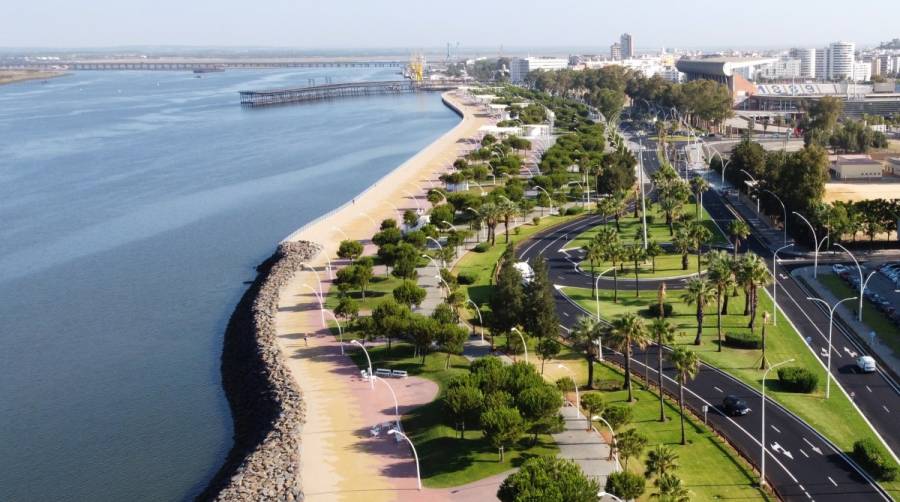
(266, 403)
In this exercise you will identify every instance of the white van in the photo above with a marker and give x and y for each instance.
(525, 271)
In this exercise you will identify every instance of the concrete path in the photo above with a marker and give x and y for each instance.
(586, 447)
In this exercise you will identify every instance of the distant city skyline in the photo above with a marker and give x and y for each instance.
(406, 24)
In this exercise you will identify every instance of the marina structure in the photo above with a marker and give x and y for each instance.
(348, 89)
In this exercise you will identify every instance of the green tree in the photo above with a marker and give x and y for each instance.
(686, 365)
(594, 405)
(671, 489)
(739, 231)
(754, 274)
(637, 254)
(548, 348)
(721, 277)
(683, 244)
(548, 479)
(584, 336)
(594, 254)
(462, 403)
(699, 293)
(409, 293)
(350, 250)
(654, 250)
(422, 330)
(626, 331)
(507, 298)
(406, 259)
(539, 406)
(451, 338)
(698, 186)
(625, 485)
(385, 317)
(502, 427)
(631, 444)
(663, 332)
(347, 308)
(540, 317)
(661, 460)
(699, 236)
(614, 253)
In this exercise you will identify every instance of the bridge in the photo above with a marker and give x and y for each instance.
(331, 91)
(175, 65)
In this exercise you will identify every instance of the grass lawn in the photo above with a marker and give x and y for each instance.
(445, 459)
(708, 467)
(667, 265)
(836, 417)
(873, 318)
(657, 230)
(380, 287)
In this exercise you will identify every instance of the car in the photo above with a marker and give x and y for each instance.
(837, 268)
(865, 364)
(735, 406)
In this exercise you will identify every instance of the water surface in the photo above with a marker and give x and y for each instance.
(133, 206)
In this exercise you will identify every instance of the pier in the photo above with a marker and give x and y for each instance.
(332, 91)
(188, 65)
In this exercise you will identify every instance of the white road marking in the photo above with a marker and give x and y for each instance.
(803, 452)
(566, 314)
(885, 408)
(776, 428)
(849, 352)
(832, 481)
(868, 388)
(814, 447)
(718, 389)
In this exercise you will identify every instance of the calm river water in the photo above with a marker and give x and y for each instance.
(133, 206)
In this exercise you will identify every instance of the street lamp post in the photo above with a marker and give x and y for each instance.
(477, 215)
(548, 196)
(321, 303)
(755, 183)
(415, 455)
(775, 286)
(480, 321)
(815, 244)
(762, 465)
(862, 282)
(783, 209)
(441, 248)
(371, 373)
(643, 203)
(831, 310)
(438, 277)
(394, 395)
(524, 345)
(597, 303)
(577, 395)
(340, 331)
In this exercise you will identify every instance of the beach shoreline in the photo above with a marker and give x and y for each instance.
(265, 338)
(19, 76)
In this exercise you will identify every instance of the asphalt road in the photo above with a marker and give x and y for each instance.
(801, 464)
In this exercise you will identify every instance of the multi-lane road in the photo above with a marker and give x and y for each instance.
(801, 464)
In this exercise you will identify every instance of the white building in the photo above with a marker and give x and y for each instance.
(841, 57)
(782, 69)
(821, 64)
(627, 43)
(862, 71)
(615, 51)
(519, 68)
(807, 59)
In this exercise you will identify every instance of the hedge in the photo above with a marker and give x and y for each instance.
(653, 310)
(467, 277)
(572, 211)
(743, 340)
(795, 379)
(869, 456)
(482, 247)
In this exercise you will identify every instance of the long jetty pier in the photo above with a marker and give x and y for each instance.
(332, 91)
(175, 65)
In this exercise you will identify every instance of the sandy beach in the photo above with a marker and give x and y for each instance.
(13, 76)
(340, 458)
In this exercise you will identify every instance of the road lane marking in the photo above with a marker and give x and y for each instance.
(566, 314)
(868, 388)
(776, 428)
(814, 447)
(803, 452)
(885, 408)
(718, 389)
(832, 481)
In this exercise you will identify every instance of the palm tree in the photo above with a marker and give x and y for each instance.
(671, 489)
(585, 336)
(507, 209)
(627, 330)
(721, 276)
(686, 364)
(739, 231)
(618, 205)
(699, 235)
(491, 214)
(614, 254)
(663, 331)
(683, 243)
(605, 208)
(661, 460)
(654, 250)
(763, 362)
(698, 186)
(756, 275)
(637, 254)
(594, 254)
(699, 293)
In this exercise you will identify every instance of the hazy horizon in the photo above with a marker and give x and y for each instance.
(405, 25)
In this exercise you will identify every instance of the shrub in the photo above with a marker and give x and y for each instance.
(608, 385)
(572, 211)
(536, 220)
(482, 247)
(625, 485)
(796, 379)
(653, 310)
(743, 340)
(869, 456)
(467, 277)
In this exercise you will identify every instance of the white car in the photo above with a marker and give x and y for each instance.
(865, 364)
(837, 268)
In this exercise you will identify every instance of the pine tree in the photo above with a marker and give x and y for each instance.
(539, 313)
(507, 298)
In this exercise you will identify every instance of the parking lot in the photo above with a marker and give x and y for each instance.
(880, 290)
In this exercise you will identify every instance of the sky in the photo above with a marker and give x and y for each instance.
(310, 24)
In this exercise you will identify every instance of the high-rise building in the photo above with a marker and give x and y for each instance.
(808, 61)
(627, 43)
(841, 59)
(519, 68)
(862, 71)
(615, 51)
(821, 64)
(782, 69)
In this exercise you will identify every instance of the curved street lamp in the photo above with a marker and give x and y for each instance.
(480, 321)
(536, 187)
(783, 209)
(340, 330)
(775, 286)
(577, 395)
(831, 310)
(319, 299)
(371, 373)
(415, 455)
(762, 465)
(816, 244)
(862, 282)
(524, 345)
(394, 395)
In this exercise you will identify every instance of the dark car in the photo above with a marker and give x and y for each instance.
(735, 406)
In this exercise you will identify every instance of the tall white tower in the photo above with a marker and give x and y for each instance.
(808, 61)
(841, 60)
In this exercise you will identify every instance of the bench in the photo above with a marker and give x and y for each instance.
(399, 373)
(382, 372)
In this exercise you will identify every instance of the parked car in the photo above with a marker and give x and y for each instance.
(865, 364)
(837, 268)
(735, 406)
